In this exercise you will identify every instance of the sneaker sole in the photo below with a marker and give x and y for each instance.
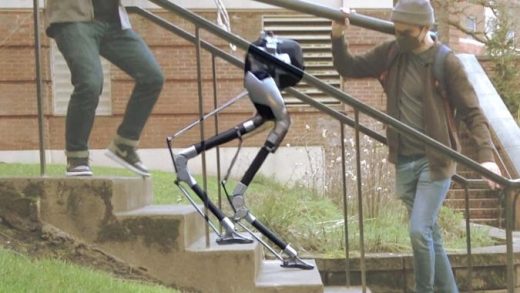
(79, 174)
(123, 163)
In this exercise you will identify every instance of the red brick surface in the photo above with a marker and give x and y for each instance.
(178, 103)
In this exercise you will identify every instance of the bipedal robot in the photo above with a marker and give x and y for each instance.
(263, 83)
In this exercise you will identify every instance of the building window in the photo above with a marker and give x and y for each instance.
(62, 87)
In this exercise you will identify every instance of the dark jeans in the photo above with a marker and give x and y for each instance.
(81, 43)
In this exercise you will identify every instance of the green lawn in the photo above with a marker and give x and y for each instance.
(312, 223)
(21, 274)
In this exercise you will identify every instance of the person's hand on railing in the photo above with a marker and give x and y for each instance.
(338, 27)
(493, 167)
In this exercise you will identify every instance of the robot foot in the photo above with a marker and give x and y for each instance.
(296, 262)
(233, 238)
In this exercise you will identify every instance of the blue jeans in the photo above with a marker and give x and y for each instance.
(81, 44)
(423, 199)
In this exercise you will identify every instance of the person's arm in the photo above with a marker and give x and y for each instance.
(370, 64)
(464, 99)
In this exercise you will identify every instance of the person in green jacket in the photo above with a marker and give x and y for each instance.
(84, 30)
(423, 176)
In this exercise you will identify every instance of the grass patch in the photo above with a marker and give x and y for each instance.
(21, 274)
(311, 223)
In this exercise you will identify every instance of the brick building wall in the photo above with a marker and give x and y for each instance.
(178, 103)
(18, 111)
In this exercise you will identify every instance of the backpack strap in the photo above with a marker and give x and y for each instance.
(439, 76)
(438, 69)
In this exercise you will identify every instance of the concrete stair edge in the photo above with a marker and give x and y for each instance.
(274, 278)
(190, 220)
(341, 289)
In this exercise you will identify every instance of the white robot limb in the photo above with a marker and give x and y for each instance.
(263, 84)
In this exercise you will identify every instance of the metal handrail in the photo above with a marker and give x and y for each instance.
(336, 93)
(356, 19)
(511, 186)
(340, 116)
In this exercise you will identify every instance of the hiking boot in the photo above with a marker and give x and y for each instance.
(127, 156)
(78, 167)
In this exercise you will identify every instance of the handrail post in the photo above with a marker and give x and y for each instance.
(469, 281)
(360, 204)
(201, 115)
(39, 94)
(511, 198)
(216, 119)
(345, 204)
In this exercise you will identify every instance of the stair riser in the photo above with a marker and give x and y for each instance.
(473, 194)
(79, 207)
(169, 231)
(482, 214)
(473, 204)
(131, 194)
(488, 222)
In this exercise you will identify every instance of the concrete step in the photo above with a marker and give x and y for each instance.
(458, 203)
(481, 213)
(122, 193)
(338, 289)
(468, 174)
(489, 222)
(242, 266)
(166, 247)
(231, 268)
(272, 278)
(251, 252)
(485, 205)
(480, 184)
(131, 193)
(84, 207)
(158, 247)
(182, 220)
(473, 193)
